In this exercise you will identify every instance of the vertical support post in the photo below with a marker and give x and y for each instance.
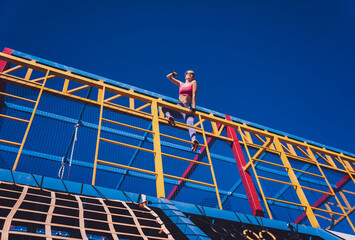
(210, 162)
(157, 149)
(131, 100)
(244, 175)
(100, 99)
(30, 122)
(303, 199)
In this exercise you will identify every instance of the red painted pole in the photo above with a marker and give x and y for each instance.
(3, 66)
(245, 176)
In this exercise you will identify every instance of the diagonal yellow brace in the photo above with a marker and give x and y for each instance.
(101, 97)
(210, 163)
(30, 123)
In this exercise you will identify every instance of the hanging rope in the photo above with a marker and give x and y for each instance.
(61, 169)
(72, 143)
(73, 146)
(64, 158)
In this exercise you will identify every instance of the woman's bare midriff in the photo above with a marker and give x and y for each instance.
(185, 99)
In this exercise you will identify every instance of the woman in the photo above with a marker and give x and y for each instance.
(187, 94)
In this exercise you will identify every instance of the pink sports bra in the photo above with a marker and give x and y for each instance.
(186, 90)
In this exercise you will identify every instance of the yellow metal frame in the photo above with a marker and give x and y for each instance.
(252, 137)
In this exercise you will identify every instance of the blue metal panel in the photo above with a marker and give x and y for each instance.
(174, 209)
(25, 179)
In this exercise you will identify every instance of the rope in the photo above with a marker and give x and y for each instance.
(72, 143)
(73, 146)
(61, 169)
(64, 160)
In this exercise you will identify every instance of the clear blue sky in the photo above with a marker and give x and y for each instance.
(287, 65)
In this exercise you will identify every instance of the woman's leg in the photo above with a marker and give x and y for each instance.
(170, 114)
(190, 121)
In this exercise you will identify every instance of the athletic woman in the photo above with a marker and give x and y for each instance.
(187, 95)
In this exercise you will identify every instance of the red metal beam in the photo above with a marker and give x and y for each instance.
(244, 175)
(339, 185)
(192, 167)
(3, 66)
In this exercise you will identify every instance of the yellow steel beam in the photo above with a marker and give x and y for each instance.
(345, 199)
(158, 162)
(13, 69)
(189, 180)
(180, 139)
(302, 197)
(10, 142)
(126, 145)
(126, 167)
(14, 118)
(330, 212)
(270, 163)
(316, 190)
(210, 162)
(17, 97)
(283, 201)
(74, 90)
(259, 153)
(143, 107)
(184, 159)
(312, 174)
(42, 78)
(101, 101)
(274, 180)
(29, 72)
(126, 125)
(131, 100)
(29, 123)
(113, 98)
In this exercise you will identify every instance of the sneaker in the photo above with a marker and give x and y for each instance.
(194, 146)
(171, 121)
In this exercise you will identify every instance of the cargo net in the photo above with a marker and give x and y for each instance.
(32, 213)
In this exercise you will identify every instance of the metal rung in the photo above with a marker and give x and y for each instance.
(10, 142)
(129, 110)
(273, 180)
(316, 190)
(180, 124)
(312, 174)
(126, 145)
(14, 118)
(189, 180)
(275, 164)
(185, 159)
(20, 98)
(182, 140)
(278, 200)
(127, 167)
(126, 125)
(330, 212)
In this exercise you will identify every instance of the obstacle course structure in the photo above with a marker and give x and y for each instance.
(60, 122)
